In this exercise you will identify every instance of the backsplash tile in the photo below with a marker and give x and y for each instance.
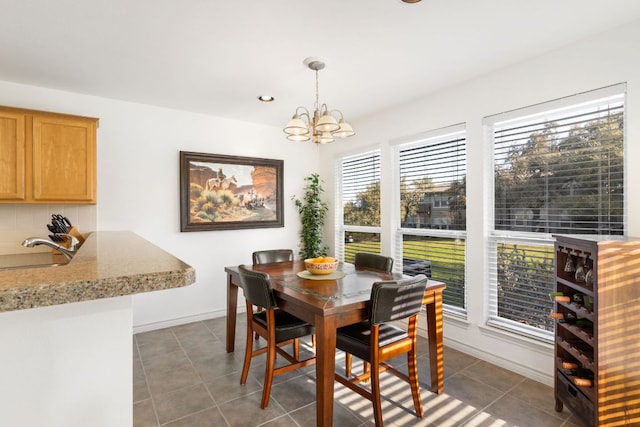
(17, 222)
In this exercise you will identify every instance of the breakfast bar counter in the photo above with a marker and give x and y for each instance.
(109, 264)
(66, 331)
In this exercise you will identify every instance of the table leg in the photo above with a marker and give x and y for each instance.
(325, 369)
(232, 306)
(436, 347)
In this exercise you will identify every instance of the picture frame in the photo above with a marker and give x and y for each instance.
(222, 192)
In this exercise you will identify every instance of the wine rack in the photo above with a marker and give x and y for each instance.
(597, 334)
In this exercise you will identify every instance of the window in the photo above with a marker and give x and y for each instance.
(432, 192)
(358, 202)
(558, 169)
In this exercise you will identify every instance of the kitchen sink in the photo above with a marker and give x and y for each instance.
(32, 260)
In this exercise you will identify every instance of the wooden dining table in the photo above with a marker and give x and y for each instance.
(329, 304)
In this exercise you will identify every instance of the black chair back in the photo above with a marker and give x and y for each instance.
(257, 288)
(397, 299)
(273, 255)
(373, 261)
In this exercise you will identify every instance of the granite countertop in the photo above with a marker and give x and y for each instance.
(109, 264)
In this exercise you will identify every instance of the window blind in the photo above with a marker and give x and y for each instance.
(432, 201)
(433, 183)
(556, 171)
(562, 172)
(358, 201)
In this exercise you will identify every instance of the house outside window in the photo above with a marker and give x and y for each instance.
(558, 169)
(357, 205)
(431, 188)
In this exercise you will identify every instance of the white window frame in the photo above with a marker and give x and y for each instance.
(340, 227)
(399, 232)
(574, 102)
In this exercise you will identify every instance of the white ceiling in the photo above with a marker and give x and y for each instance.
(216, 57)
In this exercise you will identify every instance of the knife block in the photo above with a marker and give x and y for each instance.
(73, 231)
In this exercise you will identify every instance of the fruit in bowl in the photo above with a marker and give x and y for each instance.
(321, 265)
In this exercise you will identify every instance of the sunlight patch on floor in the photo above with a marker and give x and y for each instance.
(398, 409)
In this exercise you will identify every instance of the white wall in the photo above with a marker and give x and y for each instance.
(596, 62)
(138, 190)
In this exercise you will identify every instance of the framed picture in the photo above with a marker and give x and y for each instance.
(219, 192)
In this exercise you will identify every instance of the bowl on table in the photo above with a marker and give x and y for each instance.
(321, 265)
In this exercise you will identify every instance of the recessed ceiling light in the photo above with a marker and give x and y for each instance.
(266, 98)
(410, 1)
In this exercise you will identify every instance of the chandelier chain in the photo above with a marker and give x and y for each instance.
(317, 106)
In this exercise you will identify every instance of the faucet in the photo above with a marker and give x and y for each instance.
(67, 252)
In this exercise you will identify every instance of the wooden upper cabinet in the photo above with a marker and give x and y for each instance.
(47, 157)
(12, 156)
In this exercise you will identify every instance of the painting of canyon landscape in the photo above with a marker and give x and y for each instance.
(219, 192)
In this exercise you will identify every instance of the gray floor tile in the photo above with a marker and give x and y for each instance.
(228, 387)
(211, 417)
(144, 414)
(140, 388)
(180, 403)
(183, 377)
(514, 412)
(216, 366)
(306, 416)
(246, 410)
(455, 361)
(284, 421)
(166, 343)
(470, 391)
(295, 393)
(538, 395)
(493, 375)
(172, 380)
(165, 362)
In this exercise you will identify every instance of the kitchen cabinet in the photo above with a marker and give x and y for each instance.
(47, 157)
(597, 334)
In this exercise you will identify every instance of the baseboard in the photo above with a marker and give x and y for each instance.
(146, 327)
(526, 371)
(521, 369)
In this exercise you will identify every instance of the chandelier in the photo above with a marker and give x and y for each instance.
(324, 125)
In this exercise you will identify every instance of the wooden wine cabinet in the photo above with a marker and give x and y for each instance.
(597, 334)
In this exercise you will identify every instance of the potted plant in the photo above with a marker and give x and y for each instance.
(312, 212)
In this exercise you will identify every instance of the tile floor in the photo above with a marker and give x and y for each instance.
(182, 376)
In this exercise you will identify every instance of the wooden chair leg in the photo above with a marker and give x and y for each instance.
(268, 373)
(366, 367)
(413, 381)
(347, 364)
(296, 349)
(248, 352)
(258, 336)
(375, 396)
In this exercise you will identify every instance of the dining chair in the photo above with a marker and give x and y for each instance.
(376, 340)
(373, 261)
(269, 256)
(276, 326)
(369, 261)
(272, 255)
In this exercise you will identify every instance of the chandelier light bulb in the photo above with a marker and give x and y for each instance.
(345, 130)
(327, 123)
(296, 126)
